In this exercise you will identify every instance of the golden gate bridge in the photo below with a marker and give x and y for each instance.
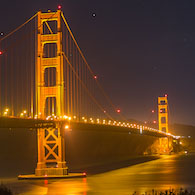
(47, 84)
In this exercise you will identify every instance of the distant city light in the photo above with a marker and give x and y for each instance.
(95, 77)
(1, 52)
(166, 95)
(153, 111)
(154, 122)
(94, 15)
(2, 33)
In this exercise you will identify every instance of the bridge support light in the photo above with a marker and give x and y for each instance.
(118, 110)
(59, 7)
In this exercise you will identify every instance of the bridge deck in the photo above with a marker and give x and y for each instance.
(13, 122)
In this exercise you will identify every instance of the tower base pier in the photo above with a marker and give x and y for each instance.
(51, 171)
(69, 176)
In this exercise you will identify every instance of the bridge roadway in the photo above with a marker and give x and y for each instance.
(29, 123)
(18, 122)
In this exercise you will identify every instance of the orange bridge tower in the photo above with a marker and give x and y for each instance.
(163, 113)
(50, 94)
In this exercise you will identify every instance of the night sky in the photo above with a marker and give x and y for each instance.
(140, 49)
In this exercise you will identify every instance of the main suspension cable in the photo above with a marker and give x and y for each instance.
(19, 27)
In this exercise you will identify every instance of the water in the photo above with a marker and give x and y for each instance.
(171, 171)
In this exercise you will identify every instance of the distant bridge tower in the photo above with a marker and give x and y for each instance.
(163, 113)
(51, 150)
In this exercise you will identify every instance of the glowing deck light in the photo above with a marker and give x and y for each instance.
(24, 112)
(66, 126)
(6, 110)
(74, 117)
(69, 118)
(84, 174)
(65, 117)
(5, 113)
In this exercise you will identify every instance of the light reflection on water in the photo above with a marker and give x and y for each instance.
(165, 173)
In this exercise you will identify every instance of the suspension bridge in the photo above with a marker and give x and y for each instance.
(46, 84)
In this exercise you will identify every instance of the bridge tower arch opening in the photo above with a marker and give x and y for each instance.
(50, 93)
